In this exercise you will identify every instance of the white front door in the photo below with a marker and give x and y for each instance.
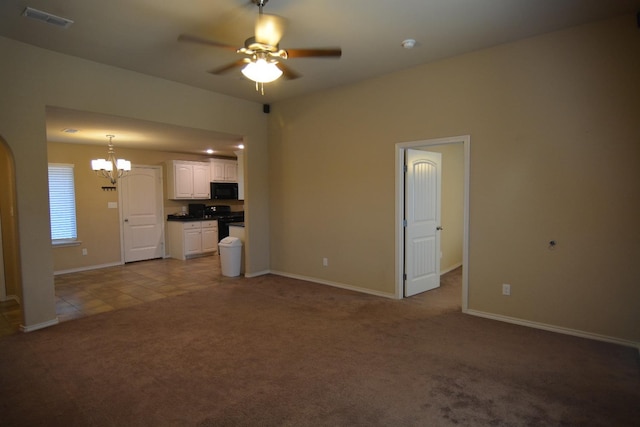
(422, 215)
(143, 223)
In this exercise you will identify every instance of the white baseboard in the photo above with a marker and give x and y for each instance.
(15, 298)
(37, 326)
(335, 284)
(453, 267)
(90, 267)
(552, 328)
(256, 274)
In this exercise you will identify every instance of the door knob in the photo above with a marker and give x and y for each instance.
(438, 228)
(126, 220)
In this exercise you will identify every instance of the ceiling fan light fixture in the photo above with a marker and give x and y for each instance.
(261, 71)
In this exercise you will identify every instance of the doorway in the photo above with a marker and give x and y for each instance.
(10, 270)
(462, 142)
(11, 313)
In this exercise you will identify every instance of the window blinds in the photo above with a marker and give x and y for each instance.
(62, 202)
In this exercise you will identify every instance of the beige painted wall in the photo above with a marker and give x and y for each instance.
(554, 155)
(34, 78)
(103, 243)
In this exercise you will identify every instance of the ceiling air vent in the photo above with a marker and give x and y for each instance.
(47, 17)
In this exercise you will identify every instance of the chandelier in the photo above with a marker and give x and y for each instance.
(111, 168)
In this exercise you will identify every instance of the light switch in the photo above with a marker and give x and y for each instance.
(112, 205)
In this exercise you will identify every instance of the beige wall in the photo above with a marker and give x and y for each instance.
(34, 78)
(103, 243)
(554, 155)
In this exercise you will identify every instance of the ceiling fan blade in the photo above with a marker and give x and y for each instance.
(229, 67)
(334, 52)
(287, 72)
(201, 40)
(270, 29)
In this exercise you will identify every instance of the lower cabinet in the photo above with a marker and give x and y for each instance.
(209, 236)
(192, 238)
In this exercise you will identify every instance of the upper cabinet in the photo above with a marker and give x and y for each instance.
(188, 180)
(224, 170)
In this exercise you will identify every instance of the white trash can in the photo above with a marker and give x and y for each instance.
(230, 256)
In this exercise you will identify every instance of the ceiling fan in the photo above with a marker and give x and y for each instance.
(263, 60)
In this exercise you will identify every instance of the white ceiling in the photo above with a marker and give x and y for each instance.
(141, 35)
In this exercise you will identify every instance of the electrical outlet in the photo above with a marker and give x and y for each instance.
(84, 251)
(506, 289)
(325, 262)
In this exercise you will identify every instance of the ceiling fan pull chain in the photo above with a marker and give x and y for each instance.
(260, 88)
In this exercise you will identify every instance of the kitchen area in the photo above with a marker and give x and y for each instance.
(214, 208)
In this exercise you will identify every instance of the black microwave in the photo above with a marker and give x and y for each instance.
(224, 191)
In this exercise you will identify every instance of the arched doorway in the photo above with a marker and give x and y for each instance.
(10, 275)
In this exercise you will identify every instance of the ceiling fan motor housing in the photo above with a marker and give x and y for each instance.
(252, 44)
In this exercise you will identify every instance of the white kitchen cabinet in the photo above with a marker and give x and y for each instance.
(201, 181)
(224, 170)
(209, 236)
(188, 180)
(192, 238)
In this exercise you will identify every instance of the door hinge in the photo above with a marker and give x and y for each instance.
(404, 223)
(404, 277)
(405, 168)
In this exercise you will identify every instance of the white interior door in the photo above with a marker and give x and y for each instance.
(143, 222)
(422, 215)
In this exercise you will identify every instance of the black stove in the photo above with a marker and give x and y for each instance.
(222, 212)
(225, 216)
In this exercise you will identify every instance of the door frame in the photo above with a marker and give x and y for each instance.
(3, 285)
(160, 190)
(401, 147)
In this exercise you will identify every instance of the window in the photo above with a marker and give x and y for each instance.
(62, 204)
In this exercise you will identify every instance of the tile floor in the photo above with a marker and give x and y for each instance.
(96, 291)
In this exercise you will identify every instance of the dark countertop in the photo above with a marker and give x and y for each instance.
(227, 216)
(188, 218)
(236, 224)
